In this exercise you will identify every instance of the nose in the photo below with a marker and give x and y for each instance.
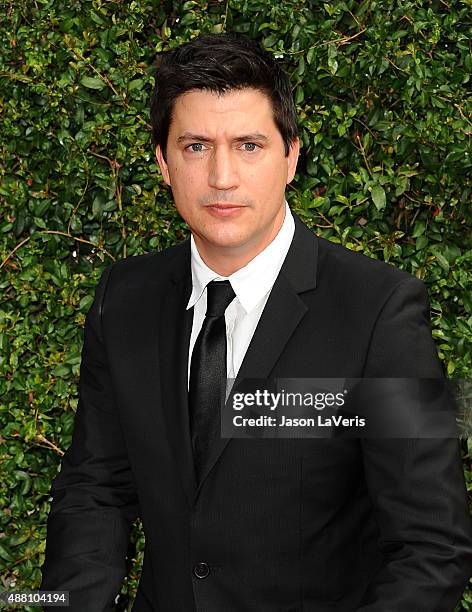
(223, 172)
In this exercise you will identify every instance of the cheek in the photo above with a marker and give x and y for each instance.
(274, 169)
(187, 188)
(186, 179)
(266, 180)
(180, 184)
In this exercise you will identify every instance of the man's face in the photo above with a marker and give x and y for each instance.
(227, 168)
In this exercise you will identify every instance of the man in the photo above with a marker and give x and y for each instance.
(240, 525)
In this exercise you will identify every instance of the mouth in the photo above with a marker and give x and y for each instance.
(221, 209)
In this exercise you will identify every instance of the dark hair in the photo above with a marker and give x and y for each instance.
(220, 63)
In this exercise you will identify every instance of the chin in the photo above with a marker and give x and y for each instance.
(221, 233)
(225, 238)
(226, 242)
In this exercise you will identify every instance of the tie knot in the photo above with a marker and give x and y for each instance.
(219, 296)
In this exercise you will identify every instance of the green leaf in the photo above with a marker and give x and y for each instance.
(299, 95)
(442, 261)
(92, 83)
(5, 553)
(135, 84)
(402, 185)
(332, 65)
(96, 18)
(420, 227)
(188, 19)
(60, 370)
(301, 66)
(378, 197)
(421, 242)
(86, 303)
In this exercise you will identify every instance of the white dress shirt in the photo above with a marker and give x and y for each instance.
(252, 286)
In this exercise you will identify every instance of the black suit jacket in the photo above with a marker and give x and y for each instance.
(283, 525)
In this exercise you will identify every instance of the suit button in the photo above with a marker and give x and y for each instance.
(201, 570)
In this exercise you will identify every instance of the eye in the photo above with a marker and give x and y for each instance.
(195, 147)
(253, 146)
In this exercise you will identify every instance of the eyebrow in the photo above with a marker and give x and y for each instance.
(200, 138)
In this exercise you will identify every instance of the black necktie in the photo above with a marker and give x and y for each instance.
(207, 384)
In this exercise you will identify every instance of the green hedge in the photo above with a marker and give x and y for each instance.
(382, 92)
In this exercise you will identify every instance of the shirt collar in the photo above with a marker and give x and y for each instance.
(252, 282)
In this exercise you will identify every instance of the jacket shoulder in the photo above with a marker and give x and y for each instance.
(356, 271)
(149, 266)
(131, 275)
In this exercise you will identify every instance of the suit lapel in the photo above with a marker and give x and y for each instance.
(175, 327)
(282, 313)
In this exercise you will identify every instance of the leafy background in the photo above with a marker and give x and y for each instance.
(383, 94)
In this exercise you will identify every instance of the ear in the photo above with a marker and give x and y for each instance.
(162, 165)
(292, 159)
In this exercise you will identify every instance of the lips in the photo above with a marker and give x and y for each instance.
(223, 206)
(226, 209)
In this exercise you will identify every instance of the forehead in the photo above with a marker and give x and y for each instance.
(247, 109)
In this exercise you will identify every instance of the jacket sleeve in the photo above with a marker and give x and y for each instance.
(94, 497)
(416, 485)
